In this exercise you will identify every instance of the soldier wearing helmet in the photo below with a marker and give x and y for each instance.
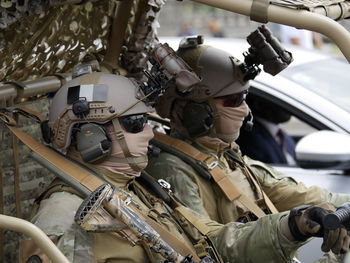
(97, 120)
(208, 173)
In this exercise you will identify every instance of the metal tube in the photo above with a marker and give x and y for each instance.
(25, 89)
(38, 236)
(7, 92)
(292, 17)
(38, 87)
(119, 26)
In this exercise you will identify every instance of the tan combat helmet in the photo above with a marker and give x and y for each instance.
(220, 76)
(92, 98)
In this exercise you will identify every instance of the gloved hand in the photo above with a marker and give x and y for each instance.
(306, 221)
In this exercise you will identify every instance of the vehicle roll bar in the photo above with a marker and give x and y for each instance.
(293, 17)
(38, 236)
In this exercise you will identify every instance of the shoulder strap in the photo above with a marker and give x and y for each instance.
(91, 182)
(204, 246)
(267, 200)
(252, 177)
(210, 163)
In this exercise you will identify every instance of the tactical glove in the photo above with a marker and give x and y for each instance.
(306, 221)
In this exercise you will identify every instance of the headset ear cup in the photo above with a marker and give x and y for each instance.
(92, 142)
(198, 118)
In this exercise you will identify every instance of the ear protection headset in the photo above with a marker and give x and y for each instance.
(92, 142)
(91, 139)
(198, 118)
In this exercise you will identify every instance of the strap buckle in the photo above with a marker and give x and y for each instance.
(164, 184)
(211, 165)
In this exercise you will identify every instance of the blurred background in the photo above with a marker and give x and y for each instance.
(213, 22)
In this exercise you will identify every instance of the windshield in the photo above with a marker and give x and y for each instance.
(329, 78)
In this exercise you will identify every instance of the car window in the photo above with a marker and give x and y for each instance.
(297, 128)
(329, 78)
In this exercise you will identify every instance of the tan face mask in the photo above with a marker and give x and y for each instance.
(229, 120)
(138, 147)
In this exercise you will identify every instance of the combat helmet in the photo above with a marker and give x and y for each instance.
(93, 99)
(220, 74)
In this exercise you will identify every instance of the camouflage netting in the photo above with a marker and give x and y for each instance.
(55, 41)
(335, 9)
(142, 39)
(37, 40)
(307, 4)
(35, 46)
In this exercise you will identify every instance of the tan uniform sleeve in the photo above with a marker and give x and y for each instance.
(287, 193)
(258, 241)
(181, 177)
(55, 217)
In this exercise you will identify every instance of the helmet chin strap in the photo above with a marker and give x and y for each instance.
(132, 161)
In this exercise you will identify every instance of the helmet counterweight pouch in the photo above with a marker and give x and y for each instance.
(198, 118)
(92, 142)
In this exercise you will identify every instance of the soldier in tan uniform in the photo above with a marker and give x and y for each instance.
(202, 162)
(97, 120)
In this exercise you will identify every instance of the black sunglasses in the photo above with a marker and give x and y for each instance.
(234, 100)
(133, 123)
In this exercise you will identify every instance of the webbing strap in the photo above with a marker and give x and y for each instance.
(16, 180)
(258, 11)
(30, 113)
(7, 119)
(77, 173)
(193, 219)
(92, 182)
(122, 142)
(267, 200)
(227, 186)
(140, 159)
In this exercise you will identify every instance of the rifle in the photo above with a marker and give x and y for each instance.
(103, 199)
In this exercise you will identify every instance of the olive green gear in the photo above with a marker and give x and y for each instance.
(220, 76)
(108, 96)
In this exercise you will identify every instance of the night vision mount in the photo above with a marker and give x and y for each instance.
(168, 69)
(266, 50)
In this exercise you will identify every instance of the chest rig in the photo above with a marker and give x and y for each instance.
(207, 165)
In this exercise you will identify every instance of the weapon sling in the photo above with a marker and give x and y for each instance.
(91, 183)
(227, 186)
